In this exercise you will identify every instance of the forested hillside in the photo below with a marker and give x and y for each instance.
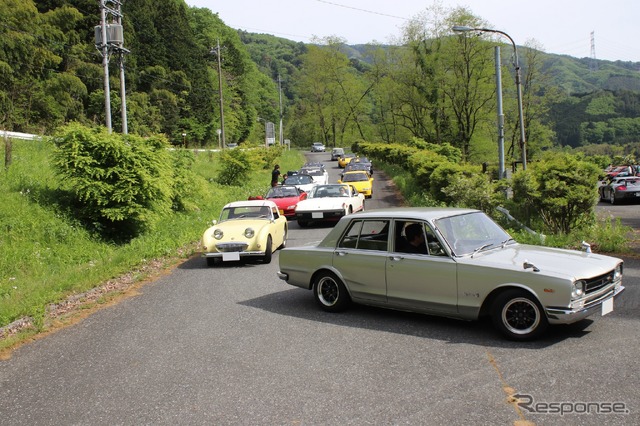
(440, 89)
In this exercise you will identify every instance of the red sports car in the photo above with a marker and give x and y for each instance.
(286, 198)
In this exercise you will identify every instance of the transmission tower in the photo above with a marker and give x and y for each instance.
(593, 66)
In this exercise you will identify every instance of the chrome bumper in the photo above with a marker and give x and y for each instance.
(568, 316)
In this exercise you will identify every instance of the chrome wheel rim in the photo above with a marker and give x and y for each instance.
(328, 291)
(521, 316)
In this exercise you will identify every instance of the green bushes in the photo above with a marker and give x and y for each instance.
(556, 194)
(121, 185)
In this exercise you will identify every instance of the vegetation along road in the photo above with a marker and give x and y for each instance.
(235, 345)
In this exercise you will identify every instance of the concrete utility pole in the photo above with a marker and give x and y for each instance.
(109, 37)
(104, 49)
(217, 51)
(281, 138)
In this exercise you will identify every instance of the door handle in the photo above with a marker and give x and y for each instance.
(341, 253)
(396, 258)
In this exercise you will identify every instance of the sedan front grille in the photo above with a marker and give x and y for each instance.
(231, 247)
(597, 283)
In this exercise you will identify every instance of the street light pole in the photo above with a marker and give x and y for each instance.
(523, 141)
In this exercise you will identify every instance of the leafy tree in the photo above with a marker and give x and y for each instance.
(560, 190)
(121, 184)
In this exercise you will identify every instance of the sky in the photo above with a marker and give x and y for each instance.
(558, 26)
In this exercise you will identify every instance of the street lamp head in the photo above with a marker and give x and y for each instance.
(461, 29)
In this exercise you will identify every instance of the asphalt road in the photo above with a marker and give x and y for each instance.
(236, 345)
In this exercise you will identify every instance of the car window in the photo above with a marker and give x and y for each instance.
(366, 235)
(467, 233)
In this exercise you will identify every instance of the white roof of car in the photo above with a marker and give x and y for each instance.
(251, 203)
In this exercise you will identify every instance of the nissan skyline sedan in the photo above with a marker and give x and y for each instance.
(455, 263)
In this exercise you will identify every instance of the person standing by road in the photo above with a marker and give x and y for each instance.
(275, 174)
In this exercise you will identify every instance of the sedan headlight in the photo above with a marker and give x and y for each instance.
(578, 289)
(618, 272)
(218, 234)
(249, 232)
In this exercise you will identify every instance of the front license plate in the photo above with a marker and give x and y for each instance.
(607, 306)
(231, 256)
(316, 215)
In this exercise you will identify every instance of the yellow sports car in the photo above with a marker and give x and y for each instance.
(360, 180)
(344, 160)
(252, 228)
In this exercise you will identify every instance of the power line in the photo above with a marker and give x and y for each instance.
(363, 10)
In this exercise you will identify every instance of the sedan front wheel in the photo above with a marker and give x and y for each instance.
(330, 292)
(518, 315)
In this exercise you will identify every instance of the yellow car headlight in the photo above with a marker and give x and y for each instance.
(249, 232)
(218, 234)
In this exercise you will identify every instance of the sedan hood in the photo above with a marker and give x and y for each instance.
(570, 264)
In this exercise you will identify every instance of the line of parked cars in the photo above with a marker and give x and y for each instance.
(255, 228)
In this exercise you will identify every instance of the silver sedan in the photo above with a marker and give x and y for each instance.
(452, 262)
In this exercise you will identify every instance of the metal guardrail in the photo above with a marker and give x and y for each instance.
(17, 135)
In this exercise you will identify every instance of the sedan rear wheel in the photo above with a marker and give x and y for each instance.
(330, 292)
(518, 315)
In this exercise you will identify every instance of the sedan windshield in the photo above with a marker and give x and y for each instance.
(471, 233)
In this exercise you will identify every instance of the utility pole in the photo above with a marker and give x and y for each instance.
(104, 49)
(109, 37)
(281, 138)
(217, 51)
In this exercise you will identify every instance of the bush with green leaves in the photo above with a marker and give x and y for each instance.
(187, 186)
(120, 184)
(235, 166)
(560, 190)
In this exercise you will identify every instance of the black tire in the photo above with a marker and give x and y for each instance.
(612, 197)
(268, 251)
(330, 292)
(303, 223)
(284, 240)
(518, 315)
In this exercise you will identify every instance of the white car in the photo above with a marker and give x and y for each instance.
(301, 181)
(329, 203)
(320, 175)
(317, 147)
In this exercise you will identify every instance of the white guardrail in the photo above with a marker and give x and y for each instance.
(17, 135)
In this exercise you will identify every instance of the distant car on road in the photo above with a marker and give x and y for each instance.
(336, 153)
(301, 181)
(345, 159)
(317, 147)
(455, 263)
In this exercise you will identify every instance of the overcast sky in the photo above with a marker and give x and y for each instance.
(560, 26)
